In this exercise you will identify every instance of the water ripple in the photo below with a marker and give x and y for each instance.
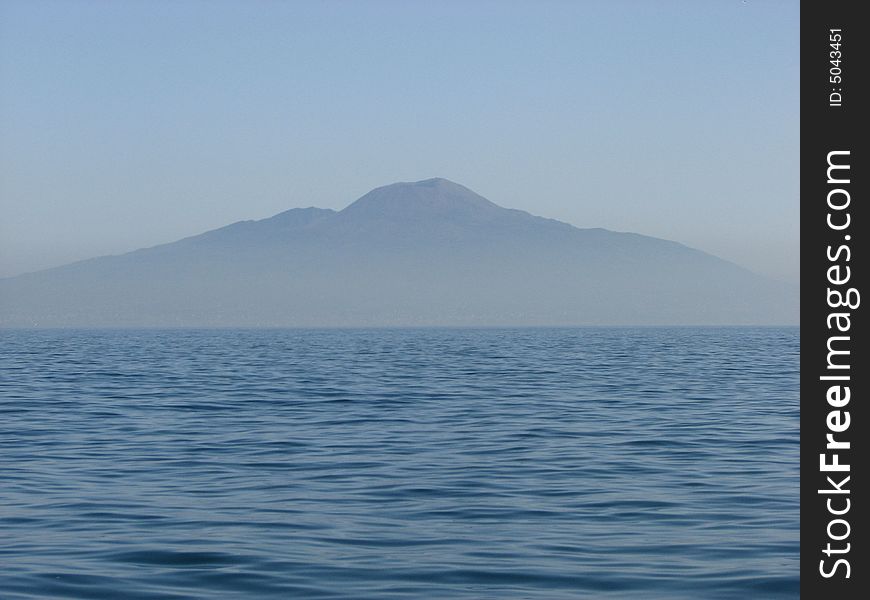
(528, 463)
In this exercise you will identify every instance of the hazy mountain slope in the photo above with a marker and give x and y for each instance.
(425, 253)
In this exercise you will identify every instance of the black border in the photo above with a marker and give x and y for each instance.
(826, 128)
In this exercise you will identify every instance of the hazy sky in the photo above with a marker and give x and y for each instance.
(127, 124)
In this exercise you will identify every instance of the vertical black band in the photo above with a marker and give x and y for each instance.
(834, 263)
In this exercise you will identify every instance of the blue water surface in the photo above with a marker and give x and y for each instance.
(430, 463)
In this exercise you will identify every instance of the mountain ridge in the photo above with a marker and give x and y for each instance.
(429, 252)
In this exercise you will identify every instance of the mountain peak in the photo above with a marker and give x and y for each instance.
(433, 181)
(435, 195)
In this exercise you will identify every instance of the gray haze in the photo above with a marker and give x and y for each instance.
(426, 253)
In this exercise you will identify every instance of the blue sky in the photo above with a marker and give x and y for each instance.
(127, 124)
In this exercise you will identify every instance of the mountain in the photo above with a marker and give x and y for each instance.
(426, 253)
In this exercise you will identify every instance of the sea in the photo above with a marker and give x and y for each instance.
(654, 463)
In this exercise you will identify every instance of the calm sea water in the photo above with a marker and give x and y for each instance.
(526, 463)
